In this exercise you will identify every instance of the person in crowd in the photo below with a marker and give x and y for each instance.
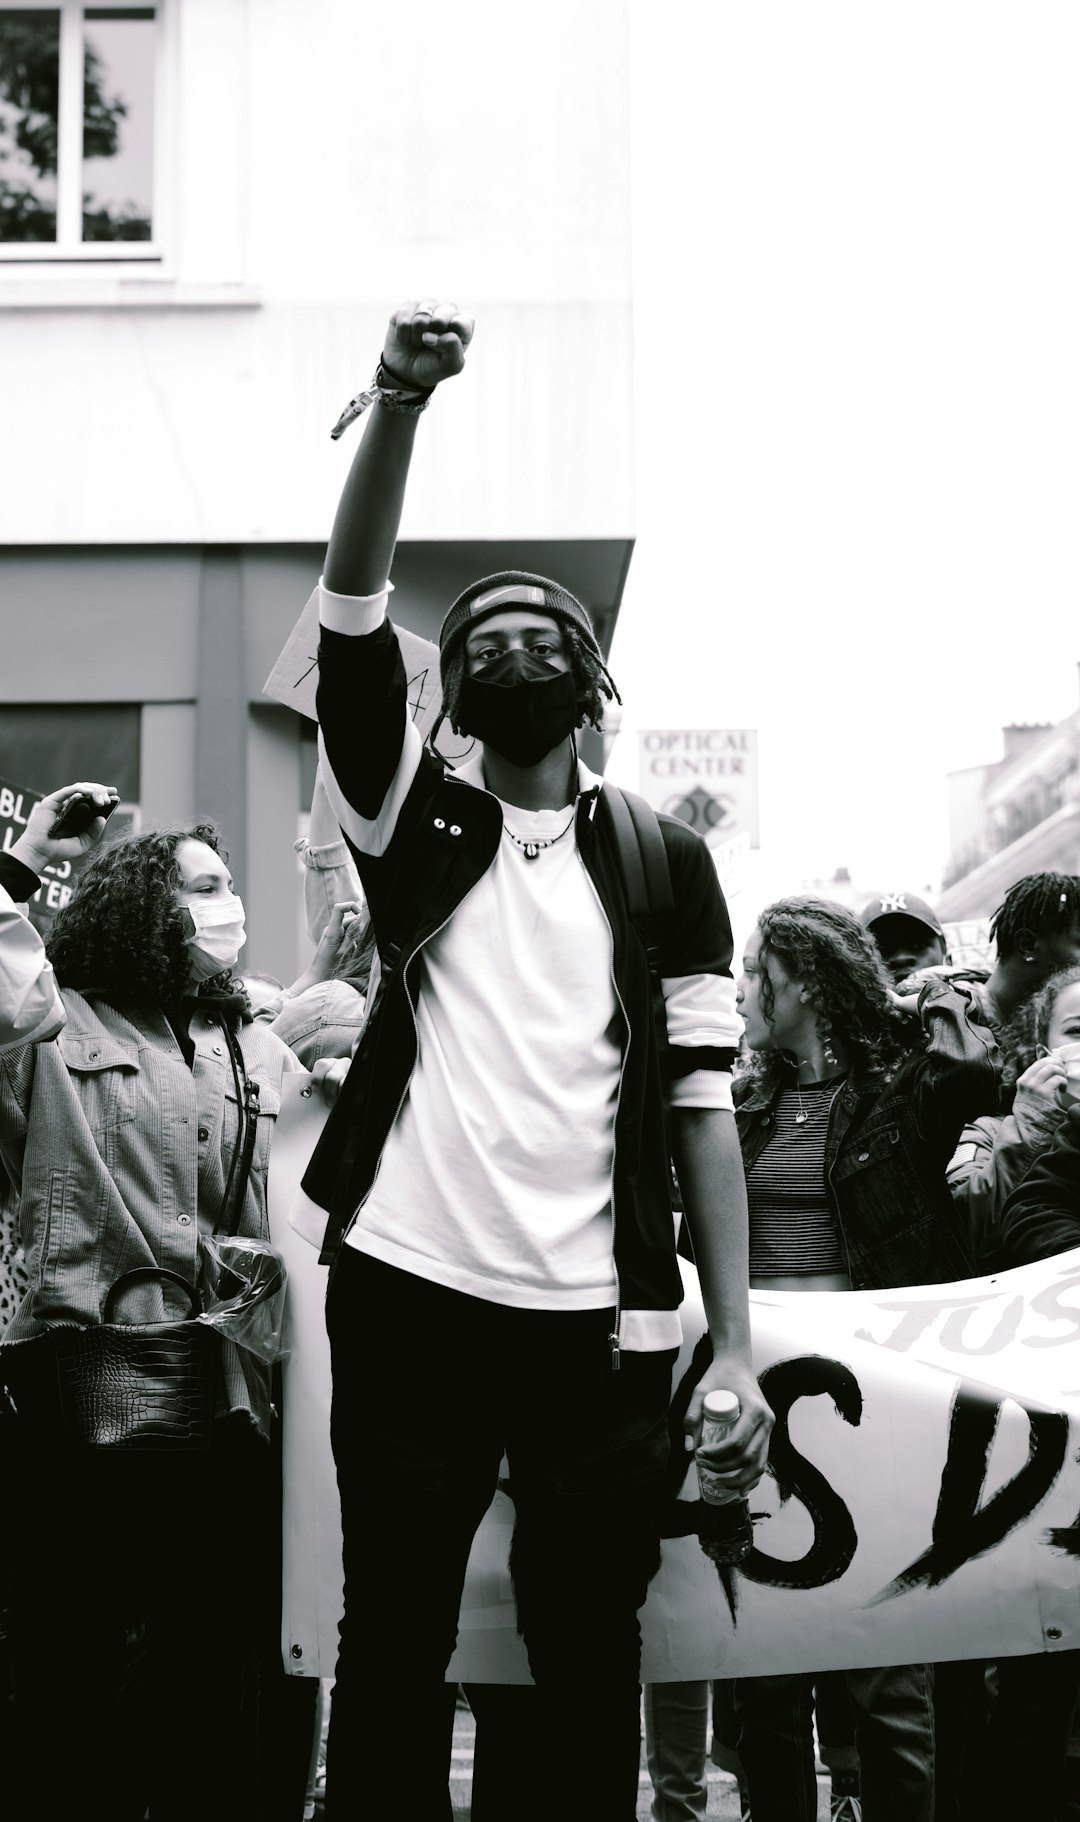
(906, 931)
(321, 1012)
(137, 1102)
(1036, 931)
(996, 1151)
(830, 1209)
(995, 1154)
(1037, 1695)
(493, 1182)
(320, 1016)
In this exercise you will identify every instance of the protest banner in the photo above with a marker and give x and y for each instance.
(922, 1503)
(295, 675)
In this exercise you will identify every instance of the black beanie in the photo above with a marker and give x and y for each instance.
(511, 588)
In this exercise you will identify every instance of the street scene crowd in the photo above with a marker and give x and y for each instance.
(548, 1078)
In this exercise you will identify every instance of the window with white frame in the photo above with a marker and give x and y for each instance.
(78, 131)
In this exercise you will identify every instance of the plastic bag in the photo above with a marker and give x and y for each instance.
(243, 1290)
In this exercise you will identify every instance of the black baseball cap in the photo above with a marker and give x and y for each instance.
(901, 904)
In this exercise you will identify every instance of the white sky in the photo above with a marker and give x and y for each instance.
(857, 318)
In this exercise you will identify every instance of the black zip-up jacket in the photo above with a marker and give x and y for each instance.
(422, 836)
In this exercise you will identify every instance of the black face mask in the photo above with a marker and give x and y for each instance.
(521, 706)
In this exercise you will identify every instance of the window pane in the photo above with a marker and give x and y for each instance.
(43, 745)
(29, 97)
(118, 123)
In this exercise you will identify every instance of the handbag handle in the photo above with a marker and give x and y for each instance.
(140, 1274)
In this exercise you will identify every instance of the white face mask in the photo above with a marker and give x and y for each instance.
(218, 936)
(1070, 1056)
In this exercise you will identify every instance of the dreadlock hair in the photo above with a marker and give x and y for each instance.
(594, 681)
(1026, 1032)
(123, 934)
(825, 948)
(1035, 906)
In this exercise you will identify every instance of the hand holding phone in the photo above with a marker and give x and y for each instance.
(79, 812)
(65, 824)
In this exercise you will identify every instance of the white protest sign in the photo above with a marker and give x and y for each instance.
(968, 944)
(311, 1517)
(923, 1500)
(295, 676)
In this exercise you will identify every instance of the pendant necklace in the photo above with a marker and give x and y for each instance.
(802, 1116)
(531, 847)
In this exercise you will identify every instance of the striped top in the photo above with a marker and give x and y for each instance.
(792, 1225)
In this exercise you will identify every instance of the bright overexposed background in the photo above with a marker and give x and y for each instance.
(857, 331)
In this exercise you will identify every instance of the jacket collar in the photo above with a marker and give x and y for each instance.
(471, 771)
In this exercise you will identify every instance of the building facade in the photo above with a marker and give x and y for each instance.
(208, 209)
(1018, 815)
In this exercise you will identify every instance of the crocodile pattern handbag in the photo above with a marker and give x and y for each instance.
(119, 1385)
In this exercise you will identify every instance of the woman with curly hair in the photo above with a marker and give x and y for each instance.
(137, 1101)
(848, 1115)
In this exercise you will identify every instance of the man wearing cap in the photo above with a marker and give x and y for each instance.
(493, 1185)
(906, 931)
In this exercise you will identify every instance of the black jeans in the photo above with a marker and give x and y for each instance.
(431, 1388)
(894, 1737)
(144, 1597)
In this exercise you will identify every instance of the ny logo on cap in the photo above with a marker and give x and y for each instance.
(893, 901)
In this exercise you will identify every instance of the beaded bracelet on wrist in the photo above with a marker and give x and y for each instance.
(392, 395)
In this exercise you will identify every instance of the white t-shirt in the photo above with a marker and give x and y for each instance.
(496, 1176)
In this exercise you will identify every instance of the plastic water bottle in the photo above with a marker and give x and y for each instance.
(726, 1533)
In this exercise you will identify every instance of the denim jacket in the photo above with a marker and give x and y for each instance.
(117, 1153)
(889, 1145)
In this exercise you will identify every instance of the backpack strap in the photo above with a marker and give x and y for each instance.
(650, 896)
(645, 867)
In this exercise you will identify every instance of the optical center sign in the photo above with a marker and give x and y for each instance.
(706, 776)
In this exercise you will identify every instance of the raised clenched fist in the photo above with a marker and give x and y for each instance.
(426, 342)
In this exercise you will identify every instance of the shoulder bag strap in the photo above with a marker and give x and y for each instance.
(247, 1103)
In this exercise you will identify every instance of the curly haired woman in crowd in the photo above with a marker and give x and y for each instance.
(848, 1116)
(137, 1100)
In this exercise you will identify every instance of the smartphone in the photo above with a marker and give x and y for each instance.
(77, 814)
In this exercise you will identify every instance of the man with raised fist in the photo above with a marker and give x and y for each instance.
(494, 1185)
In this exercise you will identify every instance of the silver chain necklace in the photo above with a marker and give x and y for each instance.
(531, 847)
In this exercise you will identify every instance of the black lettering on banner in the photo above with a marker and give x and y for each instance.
(1065, 1538)
(962, 1529)
(835, 1537)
